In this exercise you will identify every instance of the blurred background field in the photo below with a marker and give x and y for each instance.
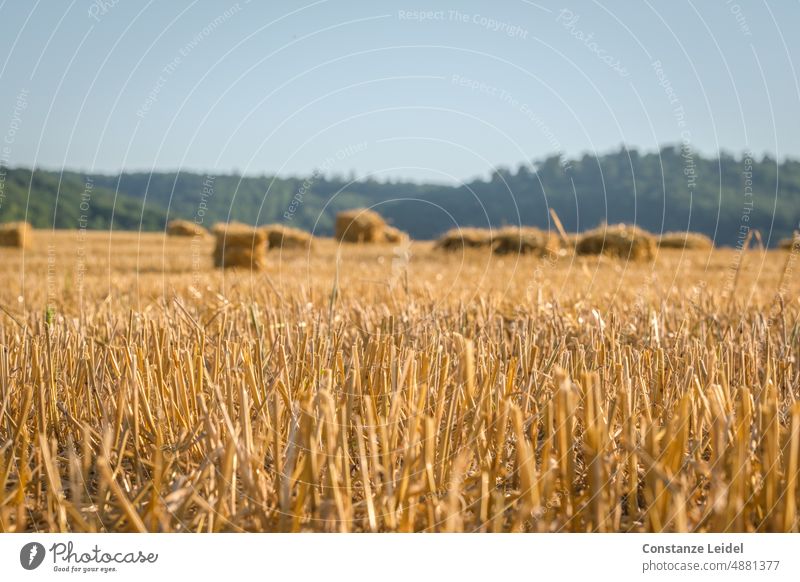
(138, 270)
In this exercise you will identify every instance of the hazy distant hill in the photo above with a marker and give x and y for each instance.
(667, 190)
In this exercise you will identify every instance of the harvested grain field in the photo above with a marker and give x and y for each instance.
(377, 388)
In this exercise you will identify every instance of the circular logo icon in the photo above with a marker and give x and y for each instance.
(31, 555)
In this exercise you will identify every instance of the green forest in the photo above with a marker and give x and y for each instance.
(671, 189)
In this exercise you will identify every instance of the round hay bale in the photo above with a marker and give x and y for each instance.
(180, 227)
(685, 240)
(239, 245)
(286, 237)
(623, 241)
(793, 242)
(236, 233)
(524, 240)
(360, 225)
(394, 235)
(230, 226)
(16, 234)
(457, 239)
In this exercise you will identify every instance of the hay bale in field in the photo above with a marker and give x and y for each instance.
(16, 234)
(622, 240)
(180, 227)
(286, 237)
(524, 240)
(462, 238)
(685, 240)
(361, 225)
(394, 235)
(239, 245)
(787, 244)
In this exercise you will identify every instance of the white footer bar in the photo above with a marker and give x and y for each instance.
(388, 557)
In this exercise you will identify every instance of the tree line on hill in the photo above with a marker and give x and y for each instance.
(673, 189)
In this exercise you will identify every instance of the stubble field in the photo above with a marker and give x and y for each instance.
(395, 388)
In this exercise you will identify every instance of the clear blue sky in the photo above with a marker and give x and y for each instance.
(428, 90)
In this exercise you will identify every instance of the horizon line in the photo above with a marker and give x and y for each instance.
(739, 155)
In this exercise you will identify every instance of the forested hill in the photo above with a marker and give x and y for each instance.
(667, 190)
